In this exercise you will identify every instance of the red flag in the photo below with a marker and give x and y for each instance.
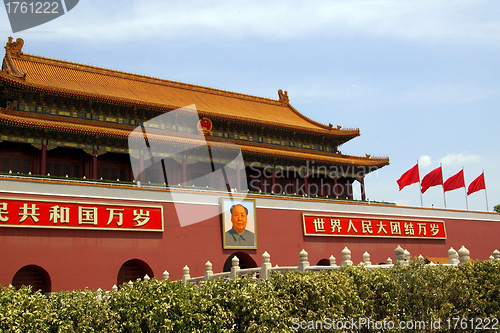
(477, 185)
(454, 182)
(433, 178)
(409, 177)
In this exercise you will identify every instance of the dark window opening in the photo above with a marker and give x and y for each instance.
(67, 170)
(16, 165)
(245, 261)
(26, 166)
(132, 270)
(5, 165)
(32, 276)
(57, 169)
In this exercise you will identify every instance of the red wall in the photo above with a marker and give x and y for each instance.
(76, 259)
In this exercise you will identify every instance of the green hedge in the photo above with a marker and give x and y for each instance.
(410, 293)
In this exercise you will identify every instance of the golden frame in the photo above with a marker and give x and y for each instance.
(226, 224)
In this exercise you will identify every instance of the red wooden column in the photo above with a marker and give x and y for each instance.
(94, 164)
(86, 167)
(35, 164)
(363, 194)
(334, 192)
(43, 160)
(262, 181)
(273, 179)
(322, 188)
(238, 177)
(222, 184)
(141, 167)
(306, 184)
(184, 170)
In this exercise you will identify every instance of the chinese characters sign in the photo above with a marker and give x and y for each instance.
(73, 215)
(372, 226)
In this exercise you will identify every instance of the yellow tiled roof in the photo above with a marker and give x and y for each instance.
(92, 82)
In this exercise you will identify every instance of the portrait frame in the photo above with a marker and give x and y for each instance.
(227, 226)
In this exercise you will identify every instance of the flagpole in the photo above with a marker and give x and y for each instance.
(486, 195)
(420, 186)
(465, 190)
(442, 185)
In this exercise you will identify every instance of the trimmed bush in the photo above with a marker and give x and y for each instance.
(415, 292)
(22, 311)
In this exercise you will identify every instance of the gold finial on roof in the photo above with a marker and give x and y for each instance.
(15, 48)
(283, 97)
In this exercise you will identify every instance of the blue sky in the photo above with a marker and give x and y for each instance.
(420, 79)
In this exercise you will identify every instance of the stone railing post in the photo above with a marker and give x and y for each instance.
(366, 258)
(463, 255)
(114, 288)
(303, 264)
(333, 261)
(407, 255)
(166, 275)
(399, 255)
(208, 271)
(99, 294)
(496, 255)
(131, 284)
(346, 257)
(389, 261)
(146, 278)
(453, 256)
(266, 265)
(185, 275)
(235, 267)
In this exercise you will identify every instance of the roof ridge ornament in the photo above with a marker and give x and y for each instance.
(15, 48)
(283, 97)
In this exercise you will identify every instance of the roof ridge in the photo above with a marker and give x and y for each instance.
(218, 102)
(284, 100)
(146, 78)
(329, 127)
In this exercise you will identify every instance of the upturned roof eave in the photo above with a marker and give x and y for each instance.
(123, 134)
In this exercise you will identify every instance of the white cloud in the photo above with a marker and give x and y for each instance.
(467, 20)
(459, 159)
(424, 161)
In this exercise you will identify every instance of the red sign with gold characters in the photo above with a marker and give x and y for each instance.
(79, 215)
(372, 226)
